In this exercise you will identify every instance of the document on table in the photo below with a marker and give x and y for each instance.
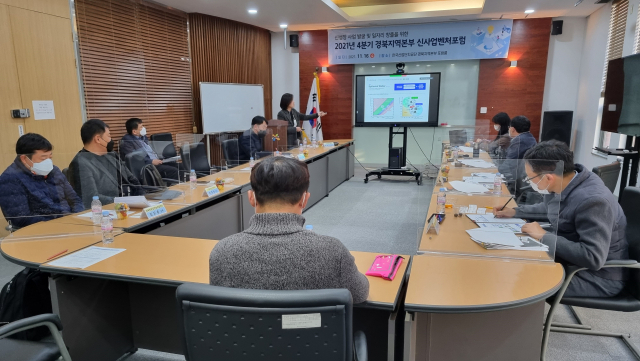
(513, 227)
(466, 149)
(477, 163)
(86, 257)
(490, 218)
(112, 214)
(466, 187)
(485, 175)
(133, 201)
(499, 237)
(478, 180)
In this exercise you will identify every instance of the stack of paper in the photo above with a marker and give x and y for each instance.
(485, 175)
(477, 163)
(513, 227)
(504, 239)
(478, 180)
(490, 218)
(468, 187)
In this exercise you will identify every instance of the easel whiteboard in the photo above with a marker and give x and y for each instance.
(230, 107)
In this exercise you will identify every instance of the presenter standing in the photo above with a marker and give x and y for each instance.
(295, 118)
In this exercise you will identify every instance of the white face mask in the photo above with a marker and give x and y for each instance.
(43, 168)
(143, 132)
(535, 187)
(497, 127)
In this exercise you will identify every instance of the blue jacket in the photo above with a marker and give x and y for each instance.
(131, 143)
(520, 145)
(26, 198)
(249, 144)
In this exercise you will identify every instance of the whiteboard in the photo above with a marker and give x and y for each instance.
(230, 107)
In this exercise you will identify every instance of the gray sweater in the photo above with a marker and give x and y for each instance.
(276, 253)
(590, 222)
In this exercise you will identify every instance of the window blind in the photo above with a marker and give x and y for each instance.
(615, 42)
(636, 40)
(135, 62)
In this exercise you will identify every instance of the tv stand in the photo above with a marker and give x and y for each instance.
(401, 169)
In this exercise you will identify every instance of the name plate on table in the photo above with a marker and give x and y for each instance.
(434, 225)
(153, 211)
(211, 191)
(301, 157)
(328, 145)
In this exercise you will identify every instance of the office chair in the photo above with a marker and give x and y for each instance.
(457, 137)
(135, 162)
(65, 171)
(11, 349)
(162, 144)
(194, 156)
(239, 324)
(627, 301)
(230, 152)
(609, 174)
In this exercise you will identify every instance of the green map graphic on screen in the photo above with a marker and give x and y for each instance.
(411, 107)
(382, 106)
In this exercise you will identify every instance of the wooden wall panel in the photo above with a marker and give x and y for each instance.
(336, 86)
(52, 7)
(226, 51)
(47, 71)
(519, 90)
(9, 92)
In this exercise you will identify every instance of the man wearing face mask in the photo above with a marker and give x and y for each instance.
(521, 139)
(136, 138)
(250, 142)
(32, 189)
(276, 252)
(589, 221)
(97, 171)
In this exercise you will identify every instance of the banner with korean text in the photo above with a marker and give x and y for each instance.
(423, 42)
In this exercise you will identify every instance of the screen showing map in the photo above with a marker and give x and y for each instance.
(397, 100)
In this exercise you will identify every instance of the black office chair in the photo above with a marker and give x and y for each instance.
(627, 301)
(135, 162)
(230, 152)
(457, 137)
(609, 174)
(65, 172)
(162, 144)
(194, 156)
(237, 324)
(11, 349)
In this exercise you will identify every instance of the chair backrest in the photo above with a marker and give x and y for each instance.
(135, 163)
(630, 199)
(65, 171)
(194, 156)
(609, 174)
(237, 324)
(162, 144)
(457, 137)
(230, 151)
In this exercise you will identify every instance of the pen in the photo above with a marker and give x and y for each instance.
(57, 254)
(510, 198)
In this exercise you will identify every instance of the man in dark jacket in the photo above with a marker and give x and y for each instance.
(97, 171)
(136, 138)
(590, 223)
(251, 140)
(32, 189)
(521, 139)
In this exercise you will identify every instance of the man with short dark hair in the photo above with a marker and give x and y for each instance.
(32, 189)
(590, 223)
(136, 138)
(521, 139)
(96, 169)
(276, 252)
(250, 141)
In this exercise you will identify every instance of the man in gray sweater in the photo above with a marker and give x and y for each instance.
(276, 252)
(589, 221)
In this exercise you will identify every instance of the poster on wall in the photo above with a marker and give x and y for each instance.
(423, 42)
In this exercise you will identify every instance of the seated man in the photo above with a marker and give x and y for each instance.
(97, 171)
(136, 138)
(521, 139)
(32, 189)
(276, 252)
(250, 142)
(591, 226)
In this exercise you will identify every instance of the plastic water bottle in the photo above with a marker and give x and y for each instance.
(96, 210)
(107, 228)
(308, 227)
(252, 162)
(301, 148)
(313, 140)
(454, 153)
(442, 200)
(193, 180)
(497, 184)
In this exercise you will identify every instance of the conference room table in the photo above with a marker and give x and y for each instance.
(127, 301)
(465, 302)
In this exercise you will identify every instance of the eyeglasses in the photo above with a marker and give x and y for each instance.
(528, 180)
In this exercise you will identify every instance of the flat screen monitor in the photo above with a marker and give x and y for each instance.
(621, 112)
(398, 100)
